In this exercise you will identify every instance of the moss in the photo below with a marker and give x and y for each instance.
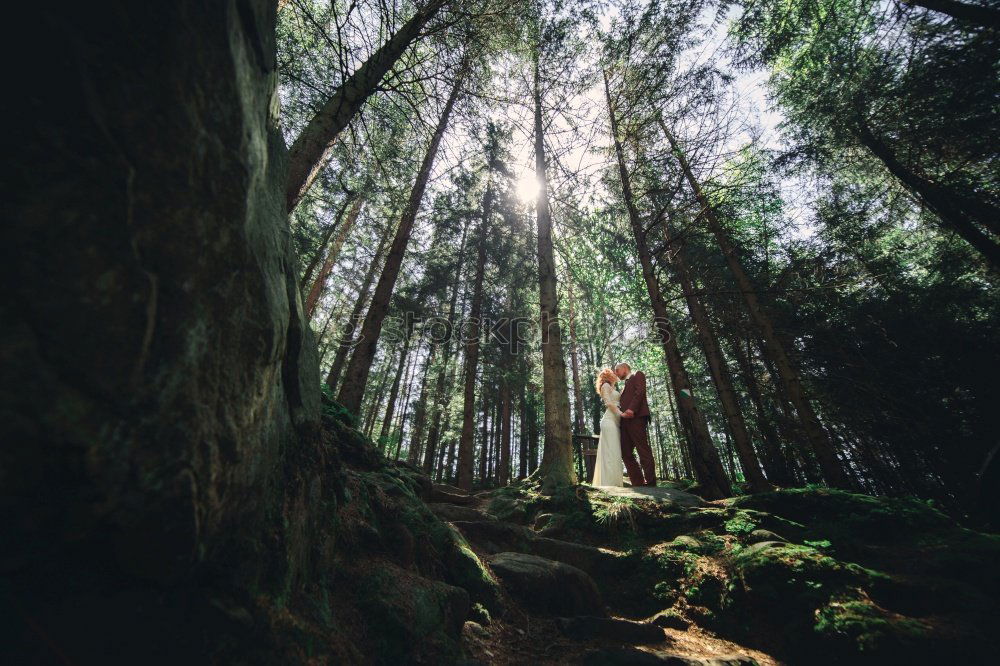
(742, 524)
(480, 614)
(466, 570)
(616, 513)
(870, 628)
(407, 615)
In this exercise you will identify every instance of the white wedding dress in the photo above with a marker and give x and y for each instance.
(608, 467)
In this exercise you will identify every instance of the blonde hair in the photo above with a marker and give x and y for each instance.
(606, 375)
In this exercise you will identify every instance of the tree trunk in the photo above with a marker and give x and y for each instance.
(311, 148)
(306, 279)
(522, 441)
(963, 11)
(532, 438)
(352, 392)
(484, 454)
(578, 414)
(556, 468)
(705, 458)
(347, 337)
(452, 452)
(411, 371)
(956, 211)
(774, 460)
(821, 445)
(420, 412)
(443, 384)
(393, 393)
(718, 368)
(319, 284)
(466, 450)
(503, 478)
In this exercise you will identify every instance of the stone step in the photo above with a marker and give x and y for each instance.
(666, 497)
(498, 536)
(448, 488)
(547, 586)
(455, 512)
(438, 495)
(588, 628)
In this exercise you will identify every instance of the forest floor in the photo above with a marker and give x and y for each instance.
(525, 638)
(425, 573)
(793, 576)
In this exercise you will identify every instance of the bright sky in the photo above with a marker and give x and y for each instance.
(583, 151)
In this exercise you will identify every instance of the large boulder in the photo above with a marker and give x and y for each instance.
(160, 390)
(547, 586)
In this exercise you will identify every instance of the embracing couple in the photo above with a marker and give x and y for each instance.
(623, 429)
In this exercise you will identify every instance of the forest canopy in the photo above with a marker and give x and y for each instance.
(780, 212)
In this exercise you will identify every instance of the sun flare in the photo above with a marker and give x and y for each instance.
(527, 188)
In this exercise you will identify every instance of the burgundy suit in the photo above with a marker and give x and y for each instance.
(635, 437)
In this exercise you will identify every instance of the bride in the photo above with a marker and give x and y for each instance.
(608, 467)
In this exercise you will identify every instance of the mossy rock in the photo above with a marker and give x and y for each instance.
(798, 578)
(466, 570)
(408, 617)
(859, 627)
(386, 516)
(899, 535)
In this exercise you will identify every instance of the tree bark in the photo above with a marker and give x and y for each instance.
(347, 337)
(306, 279)
(719, 370)
(556, 468)
(522, 440)
(394, 393)
(963, 11)
(383, 379)
(352, 393)
(319, 285)
(575, 364)
(311, 148)
(484, 454)
(411, 371)
(956, 212)
(820, 443)
(704, 456)
(774, 461)
(420, 412)
(503, 478)
(466, 450)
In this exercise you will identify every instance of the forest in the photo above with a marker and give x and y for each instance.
(309, 302)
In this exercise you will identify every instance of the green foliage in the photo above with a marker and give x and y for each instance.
(616, 512)
(741, 524)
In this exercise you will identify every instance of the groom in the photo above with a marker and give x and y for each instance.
(635, 418)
